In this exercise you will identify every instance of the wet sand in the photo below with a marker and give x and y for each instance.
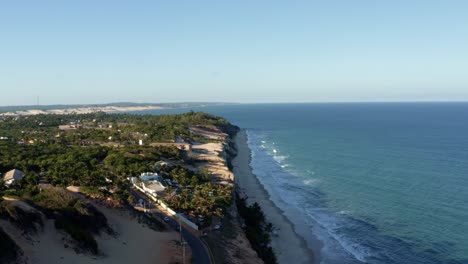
(288, 246)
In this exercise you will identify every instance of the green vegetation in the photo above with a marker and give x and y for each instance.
(117, 104)
(27, 221)
(79, 219)
(149, 221)
(197, 195)
(98, 152)
(74, 216)
(206, 199)
(257, 229)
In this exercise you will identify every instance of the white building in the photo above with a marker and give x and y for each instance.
(149, 176)
(149, 183)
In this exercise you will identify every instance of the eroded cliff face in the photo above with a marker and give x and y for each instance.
(230, 244)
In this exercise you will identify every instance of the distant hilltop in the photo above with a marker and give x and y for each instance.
(84, 109)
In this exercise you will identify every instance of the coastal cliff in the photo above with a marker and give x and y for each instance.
(94, 153)
(231, 245)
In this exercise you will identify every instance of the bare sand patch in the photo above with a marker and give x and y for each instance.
(132, 243)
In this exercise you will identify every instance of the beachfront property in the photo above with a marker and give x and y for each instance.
(13, 176)
(151, 189)
(149, 176)
(151, 183)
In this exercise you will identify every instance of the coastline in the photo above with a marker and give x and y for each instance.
(82, 110)
(288, 246)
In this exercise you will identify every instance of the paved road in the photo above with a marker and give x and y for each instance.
(200, 253)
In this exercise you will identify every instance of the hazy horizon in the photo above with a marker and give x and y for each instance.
(91, 52)
(226, 103)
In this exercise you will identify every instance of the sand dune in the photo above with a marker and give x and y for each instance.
(83, 110)
(133, 243)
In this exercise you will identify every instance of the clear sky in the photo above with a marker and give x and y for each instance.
(98, 51)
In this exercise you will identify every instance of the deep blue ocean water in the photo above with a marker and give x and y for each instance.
(376, 182)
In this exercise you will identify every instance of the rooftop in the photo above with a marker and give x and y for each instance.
(13, 175)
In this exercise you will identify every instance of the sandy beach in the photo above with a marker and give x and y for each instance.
(288, 246)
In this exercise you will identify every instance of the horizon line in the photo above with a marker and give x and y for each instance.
(243, 103)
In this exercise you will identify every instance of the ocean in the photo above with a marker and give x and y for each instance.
(375, 182)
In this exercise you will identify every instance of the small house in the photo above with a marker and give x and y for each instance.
(149, 176)
(13, 176)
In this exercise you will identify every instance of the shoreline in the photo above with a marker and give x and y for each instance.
(83, 110)
(288, 246)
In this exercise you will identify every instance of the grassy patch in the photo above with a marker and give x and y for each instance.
(27, 221)
(82, 236)
(78, 218)
(151, 222)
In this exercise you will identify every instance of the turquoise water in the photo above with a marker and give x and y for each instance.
(377, 183)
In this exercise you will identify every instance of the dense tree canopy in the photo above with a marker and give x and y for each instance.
(99, 151)
(87, 152)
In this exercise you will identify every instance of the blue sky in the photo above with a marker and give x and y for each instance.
(238, 51)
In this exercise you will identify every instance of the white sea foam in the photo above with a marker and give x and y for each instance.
(330, 233)
(280, 158)
(310, 182)
(325, 226)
